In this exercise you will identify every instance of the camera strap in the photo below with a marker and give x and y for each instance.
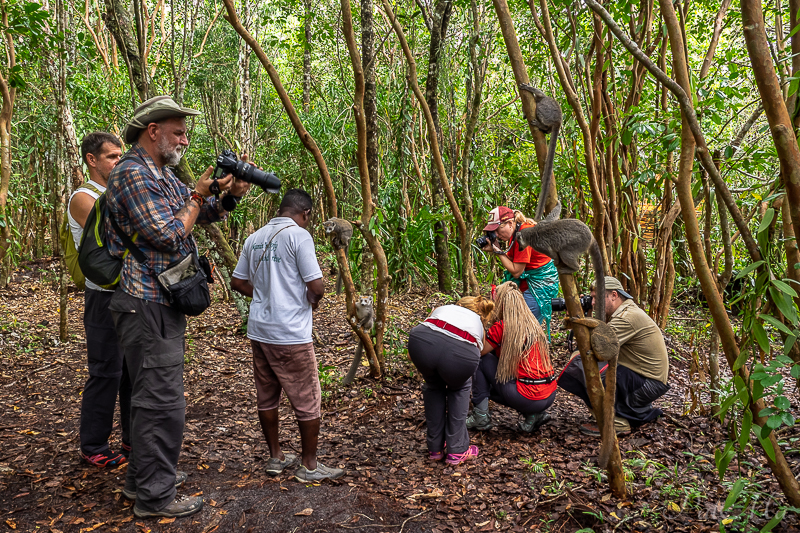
(266, 247)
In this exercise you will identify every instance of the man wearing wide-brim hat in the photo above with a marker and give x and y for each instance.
(643, 366)
(149, 204)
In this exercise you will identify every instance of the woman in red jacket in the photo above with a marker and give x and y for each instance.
(518, 374)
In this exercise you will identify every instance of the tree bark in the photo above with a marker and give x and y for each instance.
(712, 47)
(779, 466)
(307, 56)
(528, 104)
(371, 119)
(9, 94)
(118, 22)
(440, 17)
(374, 353)
(432, 137)
(774, 106)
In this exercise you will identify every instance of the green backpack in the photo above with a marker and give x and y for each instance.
(94, 258)
(68, 248)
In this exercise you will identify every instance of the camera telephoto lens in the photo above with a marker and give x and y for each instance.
(266, 180)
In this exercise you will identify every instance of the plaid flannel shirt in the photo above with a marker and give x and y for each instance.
(143, 201)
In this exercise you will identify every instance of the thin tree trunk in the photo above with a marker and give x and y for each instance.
(528, 104)
(438, 31)
(779, 466)
(432, 137)
(712, 47)
(6, 112)
(371, 119)
(374, 353)
(307, 56)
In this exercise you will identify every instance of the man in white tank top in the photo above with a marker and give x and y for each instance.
(107, 374)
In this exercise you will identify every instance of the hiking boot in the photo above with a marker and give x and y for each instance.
(458, 458)
(532, 422)
(180, 479)
(177, 509)
(436, 456)
(126, 450)
(480, 420)
(104, 460)
(621, 426)
(305, 475)
(275, 466)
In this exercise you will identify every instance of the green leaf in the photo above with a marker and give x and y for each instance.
(627, 136)
(784, 287)
(770, 381)
(735, 491)
(747, 424)
(785, 305)
(744, 355)
(767, 446)
(775, 323)
(761, 337)
(758, 391)
(749, 268)
(787, 419)
(769, 526)
(723, 458)
(774, 421)
(782, 403)
(795, 371)
(767, 411)
(767, 220)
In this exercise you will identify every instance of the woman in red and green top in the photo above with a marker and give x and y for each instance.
(519, 373)
(534, 272)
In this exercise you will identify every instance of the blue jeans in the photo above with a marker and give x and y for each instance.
(532, 305)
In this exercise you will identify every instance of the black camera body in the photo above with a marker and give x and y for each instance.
(229, 163)
(559, 304)
(483, 240)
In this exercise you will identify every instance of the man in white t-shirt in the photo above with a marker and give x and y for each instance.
(107, 373)
(278, 269)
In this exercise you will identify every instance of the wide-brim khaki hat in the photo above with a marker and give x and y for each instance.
(153, 110)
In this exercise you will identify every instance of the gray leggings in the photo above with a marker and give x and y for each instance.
(447, 364)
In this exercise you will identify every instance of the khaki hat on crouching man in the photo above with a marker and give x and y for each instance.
(613, 284)
(155, 109)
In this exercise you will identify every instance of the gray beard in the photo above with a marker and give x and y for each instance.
(171, 157)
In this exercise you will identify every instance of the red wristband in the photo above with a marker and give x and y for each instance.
(197, 198)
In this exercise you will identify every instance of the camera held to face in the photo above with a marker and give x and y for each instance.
(229, 163)
(559, 304)
(488, 237)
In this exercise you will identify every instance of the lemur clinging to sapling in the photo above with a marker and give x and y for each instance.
(547, 120)
(340, 232)
(365, 315)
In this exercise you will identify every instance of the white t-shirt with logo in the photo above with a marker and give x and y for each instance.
(279, 313)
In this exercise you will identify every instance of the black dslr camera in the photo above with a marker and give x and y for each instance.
(229, 163)
(483, 240)
(559, 304)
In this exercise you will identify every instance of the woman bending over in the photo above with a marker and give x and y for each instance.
(446, 349)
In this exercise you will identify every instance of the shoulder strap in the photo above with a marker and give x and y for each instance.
(129, 244)
(88, 185)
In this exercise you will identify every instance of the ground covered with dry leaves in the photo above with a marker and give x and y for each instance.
(547, 481)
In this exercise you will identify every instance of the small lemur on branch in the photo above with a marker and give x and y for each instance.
(365, 315)
(340, 232)
(548, 119)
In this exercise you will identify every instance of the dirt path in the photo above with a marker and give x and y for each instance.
(546, 481)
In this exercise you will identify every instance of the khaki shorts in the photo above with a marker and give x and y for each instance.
(291, 368)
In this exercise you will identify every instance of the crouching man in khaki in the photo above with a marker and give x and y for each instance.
(278, 269)
(643, 364)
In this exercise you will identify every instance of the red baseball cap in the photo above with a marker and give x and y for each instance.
(497, 216)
